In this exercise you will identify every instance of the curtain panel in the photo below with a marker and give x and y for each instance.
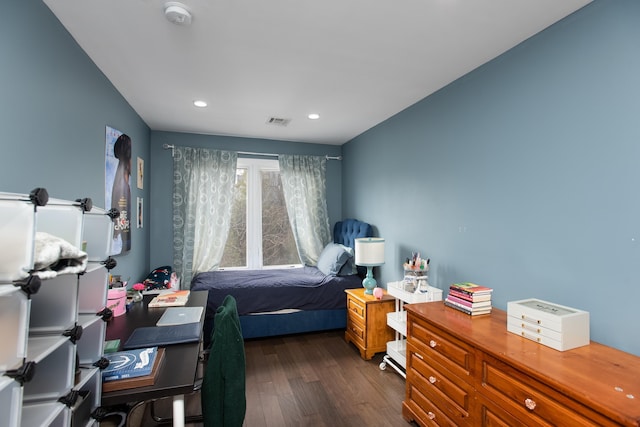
(304, 185)
(203, 186)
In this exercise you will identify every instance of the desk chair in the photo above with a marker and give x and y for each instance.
(222, 389)
(223, 386)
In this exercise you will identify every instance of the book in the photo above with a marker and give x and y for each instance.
(148, 336)
(471, 288)
(468, 296)
(466, 309)
(111, 346)
(129, 364)
(180, 316)
(170, 299)
(115, 384)
(467, 303)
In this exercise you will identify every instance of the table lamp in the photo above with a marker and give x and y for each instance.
(369, 253)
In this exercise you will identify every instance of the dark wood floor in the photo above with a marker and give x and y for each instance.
(311, 380)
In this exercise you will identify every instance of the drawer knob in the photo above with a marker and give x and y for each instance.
(432, 344)
(530, 404)
(432, 379)
(431, 415)
(419, 356)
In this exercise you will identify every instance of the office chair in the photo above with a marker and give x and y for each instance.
(222, 389)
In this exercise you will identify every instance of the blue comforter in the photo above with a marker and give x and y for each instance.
(257, 291)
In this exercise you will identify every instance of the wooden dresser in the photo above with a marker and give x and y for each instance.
(464, 370)
(367, 322)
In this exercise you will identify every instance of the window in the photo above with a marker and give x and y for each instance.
(260, 235)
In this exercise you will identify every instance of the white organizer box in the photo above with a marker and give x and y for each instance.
(554, 325)
(396, 355)
(41, 331)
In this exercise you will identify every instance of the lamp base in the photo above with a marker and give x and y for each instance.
(369, 283)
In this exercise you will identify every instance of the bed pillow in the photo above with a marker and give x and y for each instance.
(349, 268)
(333, 258)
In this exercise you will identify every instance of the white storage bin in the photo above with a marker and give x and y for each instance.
(553, 325)
(92, 288)
(17, 231)
(97, 234)
(14, 321)
(62, 219)
(398, 351)
(45, 414)
(54, 308)
(89, 347)
(55, 365)
(396, 290)
(90, 391)
(10, 401)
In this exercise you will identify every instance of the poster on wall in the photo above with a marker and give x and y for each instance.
(118, 188)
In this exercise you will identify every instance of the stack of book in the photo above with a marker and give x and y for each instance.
(469, 298)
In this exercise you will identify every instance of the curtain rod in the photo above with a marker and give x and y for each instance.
(249, 153)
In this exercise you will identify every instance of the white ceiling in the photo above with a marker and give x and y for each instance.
(354, 62)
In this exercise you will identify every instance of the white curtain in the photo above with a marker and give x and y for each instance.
(304, 185)
(203, 185)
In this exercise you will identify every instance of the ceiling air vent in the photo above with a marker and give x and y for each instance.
(278, 121)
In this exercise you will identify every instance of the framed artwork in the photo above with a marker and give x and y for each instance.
(140, 173)
(118, 188)
(140, 204)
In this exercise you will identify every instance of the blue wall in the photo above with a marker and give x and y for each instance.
(162, 178)
(54, 106)
(523, 175)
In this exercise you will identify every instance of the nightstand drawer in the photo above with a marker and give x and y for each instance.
(356, 309)
(357, 331)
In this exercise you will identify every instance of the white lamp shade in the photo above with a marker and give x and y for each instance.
(369, 251)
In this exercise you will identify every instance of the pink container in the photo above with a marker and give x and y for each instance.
(117, 300)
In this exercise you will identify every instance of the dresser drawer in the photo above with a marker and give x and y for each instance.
(448, 392)
(533, 402)
(419, 408)
(448, 351)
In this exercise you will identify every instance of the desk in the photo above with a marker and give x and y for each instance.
(179, 369)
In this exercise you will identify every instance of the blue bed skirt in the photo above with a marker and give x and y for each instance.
(267, 325)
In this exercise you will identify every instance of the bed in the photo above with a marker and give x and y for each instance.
(293, 300)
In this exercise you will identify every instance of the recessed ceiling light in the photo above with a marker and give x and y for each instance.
(199, 103)
(314, 116)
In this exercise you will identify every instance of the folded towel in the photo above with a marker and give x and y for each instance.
(53, 256)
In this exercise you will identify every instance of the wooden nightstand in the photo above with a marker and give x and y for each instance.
(367, 322)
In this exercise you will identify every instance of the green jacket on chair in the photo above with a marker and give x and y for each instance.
(223, 387)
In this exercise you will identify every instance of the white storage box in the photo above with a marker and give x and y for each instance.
(54, 308)
(90, 346)
(46, 414)
(14, 318)
(553, 325)
(90, 396)
(55, 360)
(17, 231)
(62, 219)
(10, 402)
(97, 234)
(92, 288)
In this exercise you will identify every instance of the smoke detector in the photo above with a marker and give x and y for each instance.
(177, 13)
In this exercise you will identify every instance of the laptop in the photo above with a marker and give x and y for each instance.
(160, 336)
(180, 316)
